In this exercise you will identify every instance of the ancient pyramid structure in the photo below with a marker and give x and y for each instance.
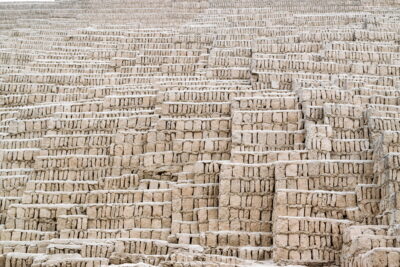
(200, 133)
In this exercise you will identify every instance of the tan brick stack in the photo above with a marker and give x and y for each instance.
(200, 133)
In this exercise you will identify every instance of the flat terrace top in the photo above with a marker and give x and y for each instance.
(1, 1)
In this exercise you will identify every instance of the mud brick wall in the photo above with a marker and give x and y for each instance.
(200, 133)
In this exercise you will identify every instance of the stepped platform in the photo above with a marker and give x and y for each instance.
(200, 133)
